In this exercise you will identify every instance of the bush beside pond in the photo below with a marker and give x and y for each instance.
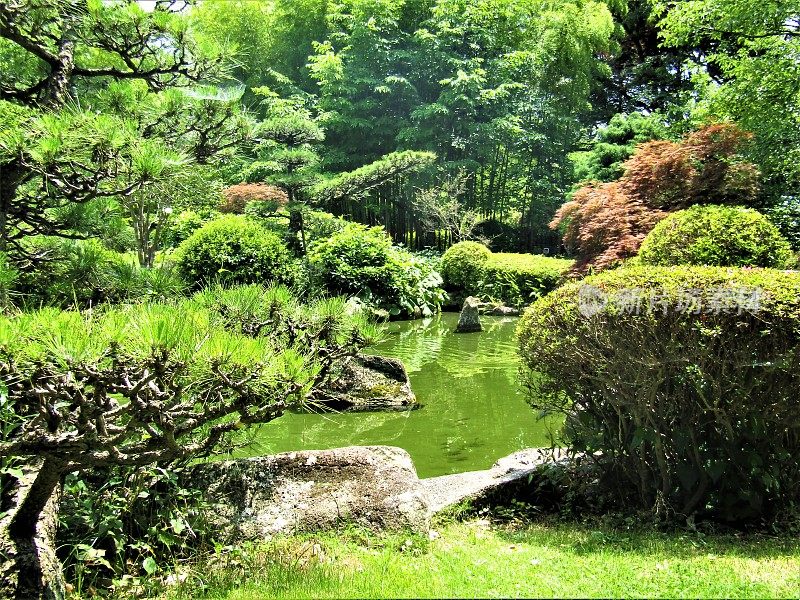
(361, 261)
(463, 266)
(692, 410)
(723, 236)
(519, 279)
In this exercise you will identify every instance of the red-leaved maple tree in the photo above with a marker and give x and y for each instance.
(237, 197)
(605, 223)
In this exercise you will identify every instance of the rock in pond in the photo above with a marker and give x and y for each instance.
(470, 320)
(373, 486)
(504, 311)
(370, 383)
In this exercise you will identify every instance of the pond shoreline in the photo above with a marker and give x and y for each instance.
(472, 410)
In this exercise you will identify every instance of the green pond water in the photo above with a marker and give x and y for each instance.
(472, 409)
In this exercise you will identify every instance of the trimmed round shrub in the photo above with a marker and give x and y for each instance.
(183, 226)
(723, 236)
(681, 382)
(362, 262)
(463, 266)
(233, 249)
(470, 268)
(321, 225)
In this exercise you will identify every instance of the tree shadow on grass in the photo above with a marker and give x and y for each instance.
(594, 538)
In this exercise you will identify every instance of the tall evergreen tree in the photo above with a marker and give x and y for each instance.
(288, 160)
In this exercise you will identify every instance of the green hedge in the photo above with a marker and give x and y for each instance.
(233, 249)
(722, 236)
(183, 226)
(519, 279)
(689, 403)
(471, 269)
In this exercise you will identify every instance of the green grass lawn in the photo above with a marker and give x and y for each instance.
(476, 559)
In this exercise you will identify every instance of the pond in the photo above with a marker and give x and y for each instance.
(472, 409)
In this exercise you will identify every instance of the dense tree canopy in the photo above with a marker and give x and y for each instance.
(92, 108)
(614, 144)
(754, 46)
(509, 92)
(499, 89)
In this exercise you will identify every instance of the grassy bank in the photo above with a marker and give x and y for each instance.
(476, 559)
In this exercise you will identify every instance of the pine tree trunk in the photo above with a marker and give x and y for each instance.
(57, 92)
(29, 568)
(11, 177)
(297, 227)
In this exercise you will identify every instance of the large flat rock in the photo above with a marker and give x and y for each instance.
(448, 490)
(372, 486)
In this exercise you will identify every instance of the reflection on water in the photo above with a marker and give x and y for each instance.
(473, 410)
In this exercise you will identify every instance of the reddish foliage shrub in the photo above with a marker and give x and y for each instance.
(237, 197)
(705, 167)
(606, 223)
